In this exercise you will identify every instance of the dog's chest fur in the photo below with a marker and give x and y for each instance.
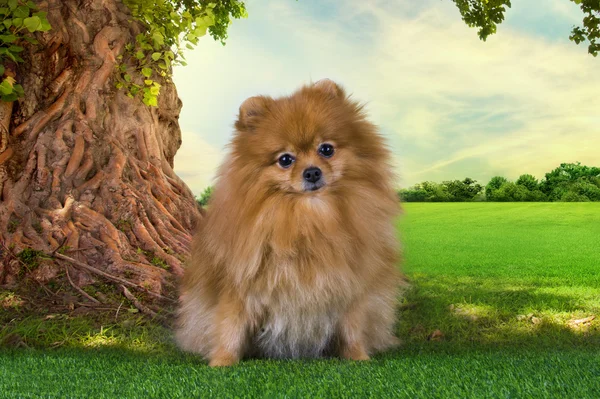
(297, 304)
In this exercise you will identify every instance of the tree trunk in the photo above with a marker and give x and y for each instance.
(83, 167)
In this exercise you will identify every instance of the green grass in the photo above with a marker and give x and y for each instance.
(478, 268)
(499, 281)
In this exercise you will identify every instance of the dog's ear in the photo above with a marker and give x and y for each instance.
(251, 111)
(329, 87)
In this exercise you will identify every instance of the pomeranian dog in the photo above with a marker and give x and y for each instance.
(297, 254)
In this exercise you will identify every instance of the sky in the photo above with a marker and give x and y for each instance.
(449, 105)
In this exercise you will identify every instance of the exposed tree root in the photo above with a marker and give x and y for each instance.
(136, 303)
(111, 277)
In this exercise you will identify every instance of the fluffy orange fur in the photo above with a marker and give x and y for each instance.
(283, 272)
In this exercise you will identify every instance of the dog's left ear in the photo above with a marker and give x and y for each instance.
(251, 111)
(329, 87)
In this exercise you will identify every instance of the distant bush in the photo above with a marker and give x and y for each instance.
(447, 191)
(205, 196)
(511, 192)
(587, 189)
(494, 184)
(571, 182)
(571, 196)
(528, 181)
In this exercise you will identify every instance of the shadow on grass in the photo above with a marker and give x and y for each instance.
(491, 312)
(471, 313)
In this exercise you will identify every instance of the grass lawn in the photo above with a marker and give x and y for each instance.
(496, 294)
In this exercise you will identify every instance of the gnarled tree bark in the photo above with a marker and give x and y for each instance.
(85, 167)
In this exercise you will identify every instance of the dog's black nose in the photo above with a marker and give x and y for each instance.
(312, 175)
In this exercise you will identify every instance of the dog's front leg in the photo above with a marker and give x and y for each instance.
(231, 331)
(351, 333)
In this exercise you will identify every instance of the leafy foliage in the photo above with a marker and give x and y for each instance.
(494, 184)
(448, 191)
(572, 177)
(464, 190)
(528, 181)
(487, 14)
(590, 30)
(205, 196)
(570, 182)
(19, 20)
(483, 14)
(169, 25)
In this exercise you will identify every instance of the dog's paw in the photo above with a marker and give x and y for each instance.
(355, 352)
(223, 359)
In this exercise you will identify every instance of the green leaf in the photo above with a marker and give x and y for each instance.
(45, 25)
(12, 4)
(8, 23)
(21, 12)
(151, 101)
(17, 22)
(6, 87)
(16, 49)
(156, 56)
(147, 72)
(201, 31)
(139, 55)
(8, 38)
(127, 78)
(1, 70)
(9, 98)
(19, 90)
(158, 38)
(148, 82)
(11, 55)
(32, 23)
(31, 40)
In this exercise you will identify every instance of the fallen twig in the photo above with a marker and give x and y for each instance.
(82, 292)
(59, 246)
(136, 303)
(46, 289)
(118, 309)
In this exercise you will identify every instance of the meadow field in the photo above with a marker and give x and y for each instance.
(504, 301)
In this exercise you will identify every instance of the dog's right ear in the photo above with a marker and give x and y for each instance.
(251, 111)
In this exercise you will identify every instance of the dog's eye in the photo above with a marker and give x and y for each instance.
(326, 150)
(286, 160)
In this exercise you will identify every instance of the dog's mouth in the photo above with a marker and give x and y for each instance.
(312, 187)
